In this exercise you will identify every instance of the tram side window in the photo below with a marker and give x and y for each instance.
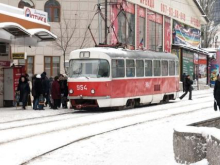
(172, 68)
(118, 68)
(164, 68)
(177, 67)
(148, 68)
(103, 68)
(139, 68)
(157, 69)
(130, 68)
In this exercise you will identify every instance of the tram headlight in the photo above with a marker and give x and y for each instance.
(71, 91)
(93, 91)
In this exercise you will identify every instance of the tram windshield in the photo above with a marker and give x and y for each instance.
(89, 68)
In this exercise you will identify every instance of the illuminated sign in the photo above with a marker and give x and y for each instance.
(35, 14)
(17, 56)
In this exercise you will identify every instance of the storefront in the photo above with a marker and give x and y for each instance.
(19, 27)
(193, 62)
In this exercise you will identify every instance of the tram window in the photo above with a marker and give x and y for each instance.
(89, 68)
(177, 67)
(139, 68)
(172, 68)
(164, 68)
(118, 68)
(103, 68)
(130, 68)
(157, 69)
(148, 68)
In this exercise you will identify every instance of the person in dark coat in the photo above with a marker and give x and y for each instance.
(188, 88)
(55, 92)
(47, 87)
(64, 90)
(24, 90)
(184, 80)
(217, 91)
(37, 88)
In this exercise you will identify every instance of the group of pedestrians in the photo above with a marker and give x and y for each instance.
(43, 91)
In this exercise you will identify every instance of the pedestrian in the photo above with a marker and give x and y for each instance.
(24, 90)
(30, 98)
(50, 97)
(64, 90)
(37, 92)
(55, 92)
(47, 82)
(45, 89)
(184, 80)
(217, 91)
(33, 92)
(188, 88)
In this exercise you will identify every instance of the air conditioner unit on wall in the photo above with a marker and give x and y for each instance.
(4, 49)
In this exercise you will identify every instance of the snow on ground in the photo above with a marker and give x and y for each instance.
(150, 143)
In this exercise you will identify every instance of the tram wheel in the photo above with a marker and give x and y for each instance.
(130, 103)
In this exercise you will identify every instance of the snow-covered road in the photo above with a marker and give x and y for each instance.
(138, 136)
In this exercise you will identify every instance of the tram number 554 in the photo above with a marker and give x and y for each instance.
(81, 87)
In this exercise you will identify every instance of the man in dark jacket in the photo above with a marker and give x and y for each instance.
(55, 92)
(217, 91)
(188, 88)
(45, 87)
(37, 88)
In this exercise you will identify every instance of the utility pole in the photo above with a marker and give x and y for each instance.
(106, 25)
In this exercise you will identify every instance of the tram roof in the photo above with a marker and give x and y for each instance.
(125, 53)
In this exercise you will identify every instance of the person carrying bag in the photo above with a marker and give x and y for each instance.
(217, 94)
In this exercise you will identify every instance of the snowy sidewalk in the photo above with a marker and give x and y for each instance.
(13, 114)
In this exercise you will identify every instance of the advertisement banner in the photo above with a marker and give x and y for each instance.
(183, 34)
(35, 14)
(214, 73)
(188, 65)
(167, 35)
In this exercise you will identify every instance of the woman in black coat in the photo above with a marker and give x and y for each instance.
(24, 90)
(217, 91)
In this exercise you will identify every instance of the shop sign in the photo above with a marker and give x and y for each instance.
(4, 63)
(17, 56)
(35, 14)
(186, 35)
(188, 66)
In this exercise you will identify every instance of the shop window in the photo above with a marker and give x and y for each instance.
(130, 68)
(52, 66)
(148, 68)
(139, 68)
(118, 68)
(171, 68)
(126, 26)
(52, 7)
(155, 31)
(26, 3)
(164, 68)
(142, 32)
(177, 68)
(157, 70)
(29, 65)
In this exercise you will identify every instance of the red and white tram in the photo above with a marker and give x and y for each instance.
(108, 77)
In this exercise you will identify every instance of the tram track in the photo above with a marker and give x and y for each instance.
(51, 120)
(109, 131)
(84, 122)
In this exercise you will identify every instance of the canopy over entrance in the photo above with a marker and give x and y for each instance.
(16, 34)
